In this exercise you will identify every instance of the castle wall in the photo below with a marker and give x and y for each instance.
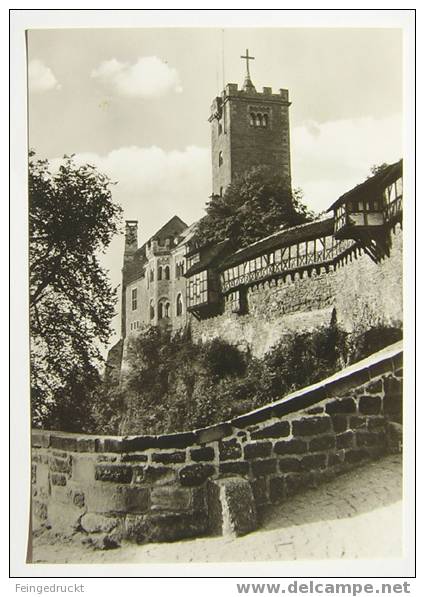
(362, 292)
(163, 488)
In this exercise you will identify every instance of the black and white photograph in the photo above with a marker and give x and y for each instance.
(216, 293)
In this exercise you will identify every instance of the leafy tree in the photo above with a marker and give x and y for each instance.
(73, 405)
(72, 219)
(254, 205)
(377, 168)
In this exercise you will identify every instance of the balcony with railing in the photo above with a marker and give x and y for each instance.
(248, 273)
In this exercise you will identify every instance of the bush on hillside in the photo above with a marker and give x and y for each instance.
(174, 384)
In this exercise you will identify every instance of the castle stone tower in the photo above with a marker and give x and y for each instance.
(248, 128)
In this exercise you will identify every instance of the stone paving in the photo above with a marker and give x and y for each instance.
(357, 515)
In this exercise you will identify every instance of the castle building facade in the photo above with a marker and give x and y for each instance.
(248, 128)
(171, 282)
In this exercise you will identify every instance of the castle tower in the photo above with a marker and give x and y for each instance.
(248, 128)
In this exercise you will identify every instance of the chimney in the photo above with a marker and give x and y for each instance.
(130, 239)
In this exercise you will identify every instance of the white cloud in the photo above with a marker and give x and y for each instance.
(152, 186)
(148, 77)
(40, 77)
(331, 158)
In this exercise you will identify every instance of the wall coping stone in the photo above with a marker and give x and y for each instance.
(387, 360)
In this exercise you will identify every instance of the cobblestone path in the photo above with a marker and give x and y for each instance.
(357, 515)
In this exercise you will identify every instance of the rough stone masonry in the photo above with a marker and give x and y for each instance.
(213, 480)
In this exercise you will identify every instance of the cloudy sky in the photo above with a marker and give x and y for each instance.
(135, 102)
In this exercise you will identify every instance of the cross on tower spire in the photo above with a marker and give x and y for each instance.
(247, 57)
(248, 85)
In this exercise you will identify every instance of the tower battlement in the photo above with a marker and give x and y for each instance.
(232, 91)
(248, 128)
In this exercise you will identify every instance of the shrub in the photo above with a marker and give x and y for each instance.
(175, 384)
(373, 340)
(221, 359)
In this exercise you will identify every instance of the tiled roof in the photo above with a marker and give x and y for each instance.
(282, 238)
(174, 227)
(372, 184)
(134, 269)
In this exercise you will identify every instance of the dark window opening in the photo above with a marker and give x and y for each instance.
(134, 299)
(179, 305)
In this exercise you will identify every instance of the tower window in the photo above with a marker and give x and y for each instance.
(166, 272)
(134, 299)
(220, 128)
(160, 273)
(265, 121)
(179, 269)
(258, 120)
(252, 119)
(179, 305)
(151, 310)
(220, 158)
(151, 275)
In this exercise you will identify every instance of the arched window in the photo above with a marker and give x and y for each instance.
(220, 158)
(166, 272)
(221, 191)
(151, 275)
(252, 119)
(151, 310)
(164, 308)
(220, 128)
(179, 305)
(258, 120)
(160, 273)
(265, 121)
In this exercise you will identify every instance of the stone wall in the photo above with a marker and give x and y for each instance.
(362, 292)
(163, 488)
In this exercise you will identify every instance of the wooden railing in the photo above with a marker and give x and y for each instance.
(393, 209)
(324, 257)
